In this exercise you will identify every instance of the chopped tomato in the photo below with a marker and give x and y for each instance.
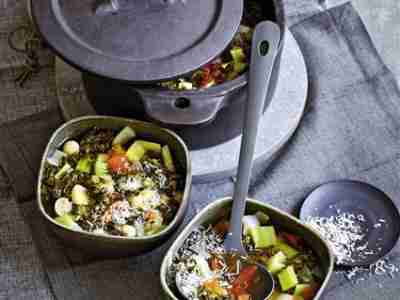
(217, 73)
(237, 290)
(215, 264)
(244, 280)
(309, 292)
(248, 273)
(206, 76)
(119, 163)
(292, 239)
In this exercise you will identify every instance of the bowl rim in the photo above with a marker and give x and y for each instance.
(186, 193)
(212, 206)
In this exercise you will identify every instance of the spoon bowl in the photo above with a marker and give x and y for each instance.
(261, 276)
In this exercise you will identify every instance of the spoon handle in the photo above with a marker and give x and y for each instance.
(266, 40)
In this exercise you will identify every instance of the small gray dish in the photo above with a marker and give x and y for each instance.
(212, 212)
(380, 221)
(108, 246)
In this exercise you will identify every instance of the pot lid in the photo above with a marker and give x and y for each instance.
(138, 40)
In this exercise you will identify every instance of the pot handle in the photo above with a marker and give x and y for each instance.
(182, 111)
(106, 7)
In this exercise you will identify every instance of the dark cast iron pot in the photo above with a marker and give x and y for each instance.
(203, 117)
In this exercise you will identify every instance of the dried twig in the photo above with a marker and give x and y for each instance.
(31, 46)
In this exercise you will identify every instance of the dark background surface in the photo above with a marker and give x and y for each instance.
(352, 130)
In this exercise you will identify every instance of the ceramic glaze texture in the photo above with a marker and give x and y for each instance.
(115, 246)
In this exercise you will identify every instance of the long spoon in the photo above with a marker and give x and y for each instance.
(265, 45)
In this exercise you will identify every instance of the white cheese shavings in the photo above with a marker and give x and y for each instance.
(381, 268)
(344, 232)
(130, 183)
(198, 246)
(121, 212)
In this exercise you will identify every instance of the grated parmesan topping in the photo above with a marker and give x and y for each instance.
(120, 212)
(130, 183)
(381, 268)
(198, 245)
(345, 234)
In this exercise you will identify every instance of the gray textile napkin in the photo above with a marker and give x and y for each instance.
(23, 143)
(351, 131)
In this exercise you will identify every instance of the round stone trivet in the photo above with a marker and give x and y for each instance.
(219, 162)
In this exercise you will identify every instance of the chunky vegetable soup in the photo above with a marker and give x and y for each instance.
(205, 272)
(232, 63)
(112, 183)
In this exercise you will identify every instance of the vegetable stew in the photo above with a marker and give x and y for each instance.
(232, 63)
(205, 272)
(112, 183)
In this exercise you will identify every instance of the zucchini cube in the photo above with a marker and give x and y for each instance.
(288, 279)
(289, 251)
(263, 236)
(276, 263)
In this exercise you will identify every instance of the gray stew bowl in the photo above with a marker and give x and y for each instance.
(107, 245)
(210, 214)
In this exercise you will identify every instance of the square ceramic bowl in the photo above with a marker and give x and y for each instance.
(210, 215)
(106, 245)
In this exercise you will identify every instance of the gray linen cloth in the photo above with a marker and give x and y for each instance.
(351, 130)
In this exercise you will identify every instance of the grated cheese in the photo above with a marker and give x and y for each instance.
(345, 234)
(200, 243)
(381, 268)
